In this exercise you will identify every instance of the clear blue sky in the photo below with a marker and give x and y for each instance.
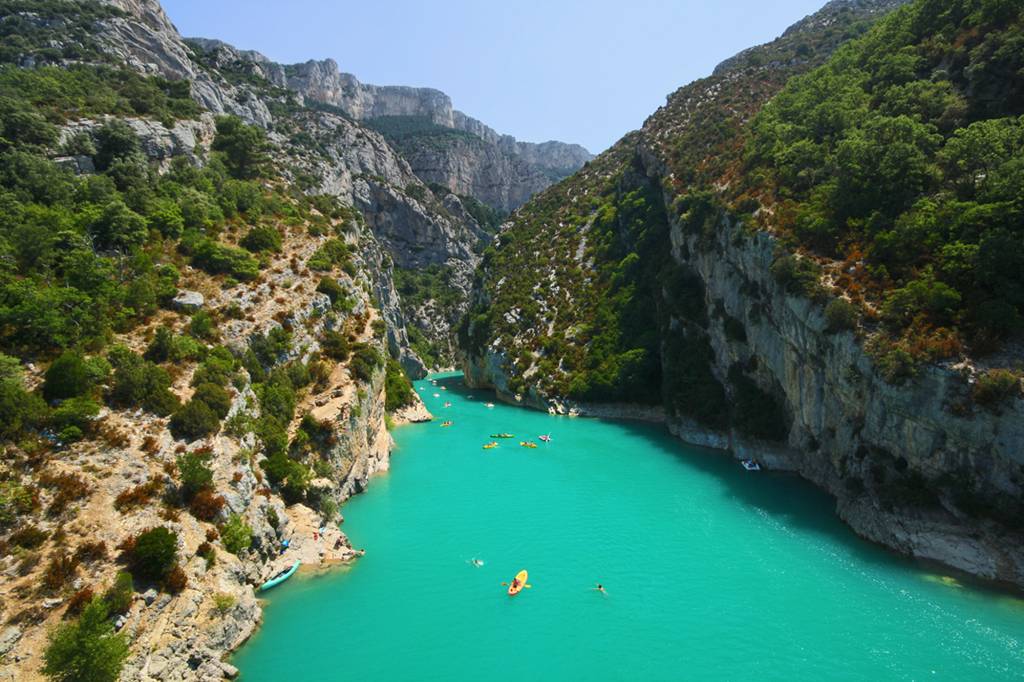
(584, 71)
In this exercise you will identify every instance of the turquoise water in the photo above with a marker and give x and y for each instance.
(711, 572)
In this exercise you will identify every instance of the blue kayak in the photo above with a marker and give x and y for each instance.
(280, 577)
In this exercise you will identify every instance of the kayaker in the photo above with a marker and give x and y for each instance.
(476, 562)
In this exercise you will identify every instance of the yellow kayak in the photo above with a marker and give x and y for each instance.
(528, 444)
(488, 446)
(517, 584)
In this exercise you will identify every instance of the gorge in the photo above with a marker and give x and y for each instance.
(220, 275)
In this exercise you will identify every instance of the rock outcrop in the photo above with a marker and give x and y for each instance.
(493, 168)
(918, 466)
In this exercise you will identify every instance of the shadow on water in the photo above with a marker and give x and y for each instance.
(784, 497)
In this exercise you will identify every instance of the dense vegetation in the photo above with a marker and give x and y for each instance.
(604, 343)
(901, 159)
(895, 164)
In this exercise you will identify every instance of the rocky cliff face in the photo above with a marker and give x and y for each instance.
(496, 169)
(865, 440)
(917, 466)
(336, 155)
(389, 219)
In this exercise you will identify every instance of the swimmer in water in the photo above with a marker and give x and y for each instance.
(600, 588)
(476, 562)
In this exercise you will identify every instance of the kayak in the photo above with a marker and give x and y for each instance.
(528, 444)
(546, 439)
(503, 435)
(280, 577)
(517, 585)
(488, 446)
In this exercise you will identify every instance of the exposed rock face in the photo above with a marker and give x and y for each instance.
(847, 421)
(496, 169)
(904, 461)
(186, 636)
(348, 160)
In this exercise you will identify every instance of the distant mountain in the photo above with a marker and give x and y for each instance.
(442, 145)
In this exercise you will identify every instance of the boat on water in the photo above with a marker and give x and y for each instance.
(437, 395)
(527, 444)
(503, 435)
(518, 583)
(447, 423)
(280, 577)
(490, 404)
(492, 444)
(545, 438)
(750, 465)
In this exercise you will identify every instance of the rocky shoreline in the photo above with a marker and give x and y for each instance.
(976, 549)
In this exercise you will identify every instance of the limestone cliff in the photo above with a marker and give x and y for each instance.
(335, 186)
(639, 285)
(496, 169)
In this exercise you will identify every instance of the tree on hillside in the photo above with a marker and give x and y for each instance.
(86, 650)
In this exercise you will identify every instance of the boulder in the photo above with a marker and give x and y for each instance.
(189, 301)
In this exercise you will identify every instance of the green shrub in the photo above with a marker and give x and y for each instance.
(155, 553)
(398, 388)
(335, 345)
(223, 602)
(841, 315)
(218, 368)
(996, 386)
(87, 649)
(67, 377)
(800, 276)
(262, 238)
(220, 259)
(339, 300)
(331, 253)
(195, 475)
(236, 534)
(119, 596)
(74, 418)
(272, 347)
(19, 409)
(244, 147)
(16, 500)
(140, 383)
(215, 397)
(203, 326)
(194, 420)
(365, 360)
(159, 349)
(278, 399)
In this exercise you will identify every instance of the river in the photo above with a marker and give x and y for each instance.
(710, 571)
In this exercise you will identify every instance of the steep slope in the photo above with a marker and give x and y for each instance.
(442, 145)
(199, 336)
(331, 154)
(705, 264)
